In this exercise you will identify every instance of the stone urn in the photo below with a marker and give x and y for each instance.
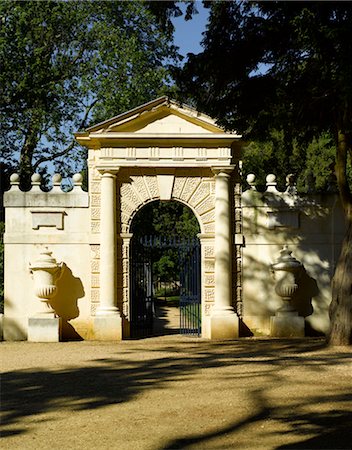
(46, 272)
(287, 271)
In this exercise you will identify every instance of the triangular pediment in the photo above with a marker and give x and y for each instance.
(161, 116)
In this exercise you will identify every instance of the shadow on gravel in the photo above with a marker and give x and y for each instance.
(332, 429)
(119, 379)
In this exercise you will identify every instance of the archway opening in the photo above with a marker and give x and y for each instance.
(165, 271)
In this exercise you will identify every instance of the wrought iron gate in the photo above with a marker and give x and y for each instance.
(190, 305)
(147, 250)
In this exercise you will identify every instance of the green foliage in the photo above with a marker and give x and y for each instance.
(286, 66)
(165, 269)
(312, 164)
(65, 65)
(165, 219)
(275, 65)
(281, 68)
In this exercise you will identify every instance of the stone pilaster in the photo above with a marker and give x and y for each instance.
(108, 325)
(224, 320)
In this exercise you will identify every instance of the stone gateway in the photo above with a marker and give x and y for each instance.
(68, 254)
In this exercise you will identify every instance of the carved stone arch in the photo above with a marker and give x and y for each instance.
(195, 192)
(142, 205)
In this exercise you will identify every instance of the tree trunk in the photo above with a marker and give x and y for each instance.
(26, 159)
(341, 305)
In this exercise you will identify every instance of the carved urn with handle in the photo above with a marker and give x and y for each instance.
(287, 271)
(46, 272)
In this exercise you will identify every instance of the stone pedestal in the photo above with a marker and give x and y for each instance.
(285, 324)
(108, 328)
(224, 326)
(44, 329)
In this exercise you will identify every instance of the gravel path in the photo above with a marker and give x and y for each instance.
(173, 392)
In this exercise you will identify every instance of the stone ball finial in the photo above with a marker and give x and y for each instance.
(77, 179)
(250, 178)
(57, 178)
(251, 181)
(14, 178)
(271, 183)
(271, 178)
(36, 178)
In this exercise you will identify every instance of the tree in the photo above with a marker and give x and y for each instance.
(165, 219)
(312, 164)
(284, 66)
(65, 65)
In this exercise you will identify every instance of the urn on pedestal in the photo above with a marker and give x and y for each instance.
(46, 272)
(287, 271)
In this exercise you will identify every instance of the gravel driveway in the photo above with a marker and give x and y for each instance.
(173, 392)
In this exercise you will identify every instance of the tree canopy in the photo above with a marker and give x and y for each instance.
(284, 67)
(65, 65)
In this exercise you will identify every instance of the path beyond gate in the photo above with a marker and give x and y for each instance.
(146, 251)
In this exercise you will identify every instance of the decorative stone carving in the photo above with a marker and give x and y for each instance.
(190, 187)
(95, 227)
(209, 265)
(95, 213)
(95, 265)
(46, 272)
(93, 309)
(178, 186)
(152, 186)
(209, 294)
(131, 153)
(95, 187)
(95, 248)
(130, 196)
(95, 200)
(95, 295)
(209, 227)
(95, 281)
(200, 194)
(209, 280)
(178, 153)
(140, 187)
(208, 308)
(287, 271)
(207, 205)
(209, 251)
(209, 216)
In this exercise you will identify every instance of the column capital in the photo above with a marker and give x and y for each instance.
(108, 172)
(224, 171)
(125, 237)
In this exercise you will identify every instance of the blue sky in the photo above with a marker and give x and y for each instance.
(188, 34)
